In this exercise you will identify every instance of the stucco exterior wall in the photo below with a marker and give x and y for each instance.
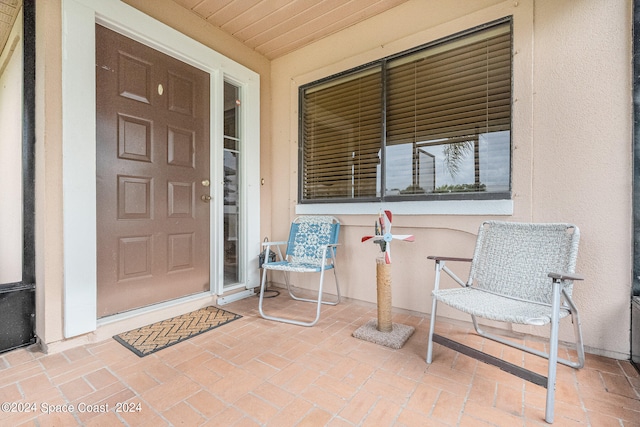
(582, 150)
(571, 160)
(571, 157)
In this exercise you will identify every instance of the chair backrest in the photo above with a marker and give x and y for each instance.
(308, 234)
(514, 259)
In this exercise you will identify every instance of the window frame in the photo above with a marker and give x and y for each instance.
(382, 64)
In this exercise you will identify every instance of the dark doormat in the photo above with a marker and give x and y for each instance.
(151, 338)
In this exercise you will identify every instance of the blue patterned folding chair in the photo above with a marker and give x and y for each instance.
(520, 273)
(311, 248)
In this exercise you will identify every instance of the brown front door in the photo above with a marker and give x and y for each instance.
(152, 178)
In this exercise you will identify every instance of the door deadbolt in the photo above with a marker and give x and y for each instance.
(205, 183)
(205, 198)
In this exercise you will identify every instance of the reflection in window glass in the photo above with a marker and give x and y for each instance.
(439, 167)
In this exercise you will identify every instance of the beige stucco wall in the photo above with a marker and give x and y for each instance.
(571, 138)
(571, 147)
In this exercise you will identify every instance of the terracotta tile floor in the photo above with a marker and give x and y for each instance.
(256, 372)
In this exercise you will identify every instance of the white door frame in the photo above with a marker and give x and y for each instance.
(79, 148)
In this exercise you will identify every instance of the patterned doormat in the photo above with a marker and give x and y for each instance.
(151, 338)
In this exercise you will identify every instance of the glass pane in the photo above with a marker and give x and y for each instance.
(231, 107)
(449, 117)
(439, 167)
(231, 187)
(230, 217)
(231, 144)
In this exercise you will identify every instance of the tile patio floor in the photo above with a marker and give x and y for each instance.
(254, 372)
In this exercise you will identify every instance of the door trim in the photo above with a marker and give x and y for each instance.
(634, 334)
(79, 135)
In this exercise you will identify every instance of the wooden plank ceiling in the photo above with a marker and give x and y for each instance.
(8, 12)
(271, 27)
(277, 27)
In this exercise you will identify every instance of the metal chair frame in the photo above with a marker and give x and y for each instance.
(533, 309)
(322, 259)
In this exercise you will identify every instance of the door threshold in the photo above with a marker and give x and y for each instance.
(223, 300)
(116, 324)
(161, 310)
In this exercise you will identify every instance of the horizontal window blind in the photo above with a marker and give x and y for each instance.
(342, 132)
(457, 91)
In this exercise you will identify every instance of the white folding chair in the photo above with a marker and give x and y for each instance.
(520, 273)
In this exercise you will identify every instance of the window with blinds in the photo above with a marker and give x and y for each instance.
(342, 134)
(429, 124)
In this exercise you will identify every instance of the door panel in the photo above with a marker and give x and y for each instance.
(152, 157)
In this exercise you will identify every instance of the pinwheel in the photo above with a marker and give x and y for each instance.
(383, 235)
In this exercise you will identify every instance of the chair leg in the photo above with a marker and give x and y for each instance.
(338, 295)
(553, 352)
(261, 296)
(431, 330)
(262, 288)
(298, 298)
(318, 301)
(579, 346)
(432, 323)
(577, 331)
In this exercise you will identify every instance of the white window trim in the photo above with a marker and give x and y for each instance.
(432, 207)
(79, 133)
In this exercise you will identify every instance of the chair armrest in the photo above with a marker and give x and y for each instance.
(326, 247)
(441, 266)
(273, 243)
(566, 276)
(448, 258)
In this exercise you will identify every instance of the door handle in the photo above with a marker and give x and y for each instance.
(205, 198)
